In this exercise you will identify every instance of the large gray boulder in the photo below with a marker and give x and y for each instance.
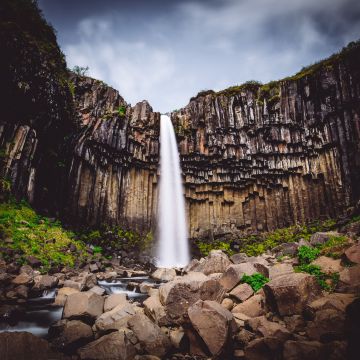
(214, 324)
(289, 294)
(178, 295)
(151, 338)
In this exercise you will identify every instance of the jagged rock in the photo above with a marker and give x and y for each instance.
(353, 253)
(85, 306)
(288, 294)
(280, 270)
(69, 335)
(239, 258)
(114, 300)
(266, 348)
(213, 323)
(320, 238)
(328, 265)
(62, 295)
(328, 325)
(286, 249)
(267, 328)
(295, 323)
(42, 282)
(215, 262)
(97, 290)
(114, 346)
(242, 292)
(23, 279)
(177, 295)
(164, 274)
(350, 278)
(150, 336)
(300, 350)
(155, 310)
(234, 274)
(243, 337)
(25, 346)
(252, 307)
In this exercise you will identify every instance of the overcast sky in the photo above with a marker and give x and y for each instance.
(165, 51)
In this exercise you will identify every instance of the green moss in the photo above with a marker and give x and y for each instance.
(33, 235)
(205, 247)
(256, 281)
(121, 111)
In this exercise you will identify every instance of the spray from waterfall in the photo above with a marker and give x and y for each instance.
(173, 248)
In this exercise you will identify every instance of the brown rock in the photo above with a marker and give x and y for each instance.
(252, 307)
(213, 323)
(23, 279)
(62, 295)
(289, 294)
(227, 303)
(350, 278)
(268, 328)
(155, 310)
(114, 300)
(215, 262)
(234, 274)
(43, 282)
(321, 238)
(301, 350)
(114, 346)
(328, 265)
(353, 253)
(164, 274)
(242, 292)
(150, 336)
(84, 306)
(268, 348)
(280, 270)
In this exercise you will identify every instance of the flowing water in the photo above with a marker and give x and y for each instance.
(173, 248)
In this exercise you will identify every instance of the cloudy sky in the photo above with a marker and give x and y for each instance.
(166, 51)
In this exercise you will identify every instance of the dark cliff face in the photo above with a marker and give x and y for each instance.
(261, 157)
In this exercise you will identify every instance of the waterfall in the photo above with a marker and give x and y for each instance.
(173, 248)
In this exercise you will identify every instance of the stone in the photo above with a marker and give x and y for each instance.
(227, 303)
(289, 249)
(239, 258)
(280, 270)
(27, 269)
(156, 311)
(242, 292)
(33, 261)
(328, 325)
(97, 290)
(234, 274)
(116, 318)
(353, 253)
(94, 268)
(25, 346)
(43, 282)
(267, 328)
(23, 279)
(251, 307)
(350, 278)
(68, 335)
(163, 274)
(22, 291)
(295, 323)
(213, 323)
(114, 300)
(114, 346)
(328, 265)
(320, 238)
(301, 350)
(289, 294)
(85, 306)
(215, 262)
(266, 348)
(177, 339)
(178, 295)
(243, 337)
(150, 336)
(62, 295)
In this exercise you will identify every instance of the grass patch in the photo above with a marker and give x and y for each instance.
(256, 281)
(307, 254)
(205, 248)
(26, 233)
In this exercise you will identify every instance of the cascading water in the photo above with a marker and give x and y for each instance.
(173, 248)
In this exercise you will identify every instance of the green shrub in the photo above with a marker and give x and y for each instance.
(122, 111)
(205, 248)
(256, 281)
(307, 254)
(80, 70)
(97, 249)
(327, 282)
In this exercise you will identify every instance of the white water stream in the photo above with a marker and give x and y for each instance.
(173, 248)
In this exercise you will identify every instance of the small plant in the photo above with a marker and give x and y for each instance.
(256, 281)
(307, 254)
(121, 110)
(205, 248)
(80, 70)
(97, 249)
(327, 282)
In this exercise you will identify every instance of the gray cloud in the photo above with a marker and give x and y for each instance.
(167, 51)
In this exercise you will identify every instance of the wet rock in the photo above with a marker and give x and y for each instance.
(150, 336)
(179, 294)
(288, 294)
(114, 300)
(114, 346)
(234, 274)
(11, 314)
(242, 292)
(164, 274)
(213, 323)
(252, 307)
(85, 306)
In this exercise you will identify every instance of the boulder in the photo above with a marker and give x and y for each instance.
(266, 348)
(353, 253)
(242, 292)
(151, 338)
(114, 300)
(97, 290)
(252, 307)
(301, 350)
(288, 294)
(23, 279)
(116, 318)
(295, 323)
(179, 294)
(155, 310)
(25, 346)
(280, 270)
(328, 265)
(213, 323)
(227, 303)
(85, 306)
(321, 238)
(62, 295)
(178, 339)
(215, 262)
(27, 269)
(266, 328)
(234, 274)
(350, 278)
(43, 282)
(239, 258)
(163, 274)
(289, 249)
(114, 346)
(68, 335)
